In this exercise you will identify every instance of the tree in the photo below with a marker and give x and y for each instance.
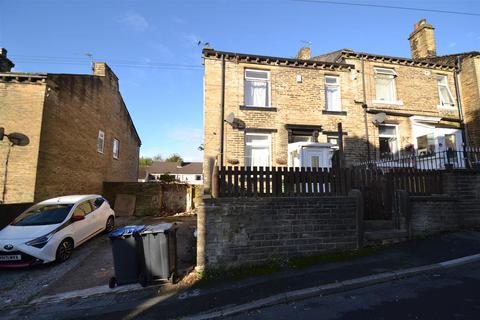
(167, 178)
(158, 157)
(145, 161)
(175, 157)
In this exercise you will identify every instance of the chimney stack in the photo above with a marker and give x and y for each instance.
(422, 41)
(102, 69)
(5, 64)
(305, 53)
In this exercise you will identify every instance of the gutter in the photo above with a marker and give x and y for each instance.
(365, 107)
(407, 115)
(458, 69)
(222, 112)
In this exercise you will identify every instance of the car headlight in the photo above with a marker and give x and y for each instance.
(40, 242)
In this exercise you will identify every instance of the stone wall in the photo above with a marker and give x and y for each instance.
(432, 215)
(458, 208)
(247, 231)
(21, 109)
(464, 186)
(152, 198)
(470, 93)
(76, 108)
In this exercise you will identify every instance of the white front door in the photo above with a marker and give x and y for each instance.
(316, 158)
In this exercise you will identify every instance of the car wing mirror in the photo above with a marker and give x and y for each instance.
(77, 218)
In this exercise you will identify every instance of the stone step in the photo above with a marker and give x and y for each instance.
(377, 224)
(384, 237)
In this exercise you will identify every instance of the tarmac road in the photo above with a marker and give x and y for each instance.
(449, 294)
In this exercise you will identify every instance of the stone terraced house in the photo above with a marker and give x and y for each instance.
(80, 131)
(274, 111)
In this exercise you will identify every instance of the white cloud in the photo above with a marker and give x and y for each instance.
(452, 44)
(135, 21)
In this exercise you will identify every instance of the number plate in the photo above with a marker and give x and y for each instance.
(12, 257)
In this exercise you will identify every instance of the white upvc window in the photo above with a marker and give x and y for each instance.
(100, 141)
(258, 150)
(332, 94)
(257, 88)
(446, 98)
(385, 85)
(115, 148)
(388, 140)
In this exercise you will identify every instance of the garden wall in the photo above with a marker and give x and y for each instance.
(153, 198)
(248, 231)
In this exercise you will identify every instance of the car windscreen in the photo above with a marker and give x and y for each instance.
(43, 215)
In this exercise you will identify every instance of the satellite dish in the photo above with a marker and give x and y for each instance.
(379, 118)
(18, 139)
(230, 118)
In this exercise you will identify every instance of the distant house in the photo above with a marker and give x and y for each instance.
(186, 172)
(80, 131)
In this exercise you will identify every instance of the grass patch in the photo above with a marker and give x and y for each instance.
(274, 266)
(235, 274)
(304, 262)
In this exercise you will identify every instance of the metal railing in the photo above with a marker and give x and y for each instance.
(444, 160)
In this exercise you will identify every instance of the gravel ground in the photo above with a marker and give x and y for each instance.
(18, 286)
(90, 266)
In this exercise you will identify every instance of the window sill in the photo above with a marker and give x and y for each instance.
(253, 108)
(334, 113)
(396, 103)
(447, 107)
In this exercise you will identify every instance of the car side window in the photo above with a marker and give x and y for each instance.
(83, 209)
(97, 203)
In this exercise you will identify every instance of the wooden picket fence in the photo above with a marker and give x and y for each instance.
(377, 186)
(282, 181)
(288, 181)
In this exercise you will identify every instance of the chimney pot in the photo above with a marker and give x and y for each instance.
(305, 53)
(6, 64)
(422, 40)
(102, 69)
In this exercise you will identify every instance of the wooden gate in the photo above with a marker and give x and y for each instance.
(378, 188)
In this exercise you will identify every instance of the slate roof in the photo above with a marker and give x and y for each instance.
(450, 59)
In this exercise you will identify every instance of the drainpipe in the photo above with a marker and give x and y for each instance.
(365, 106)
(458, 69)
(222, 113)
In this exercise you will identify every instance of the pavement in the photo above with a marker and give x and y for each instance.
(214, 297)
(445, 294)
(88, 271)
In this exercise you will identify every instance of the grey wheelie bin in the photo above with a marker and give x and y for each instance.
(127, 258)
(159, 243)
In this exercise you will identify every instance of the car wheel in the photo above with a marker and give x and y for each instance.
(110, 224)
(64, 250)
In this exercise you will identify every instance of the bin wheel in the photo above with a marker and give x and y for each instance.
(112, 283)
(143, 279)
(174, 278)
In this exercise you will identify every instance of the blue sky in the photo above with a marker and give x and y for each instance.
(166, 103)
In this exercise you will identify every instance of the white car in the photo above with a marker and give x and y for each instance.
(51, 229)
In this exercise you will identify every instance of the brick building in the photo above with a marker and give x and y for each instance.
(79, 128)
(274, 111)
